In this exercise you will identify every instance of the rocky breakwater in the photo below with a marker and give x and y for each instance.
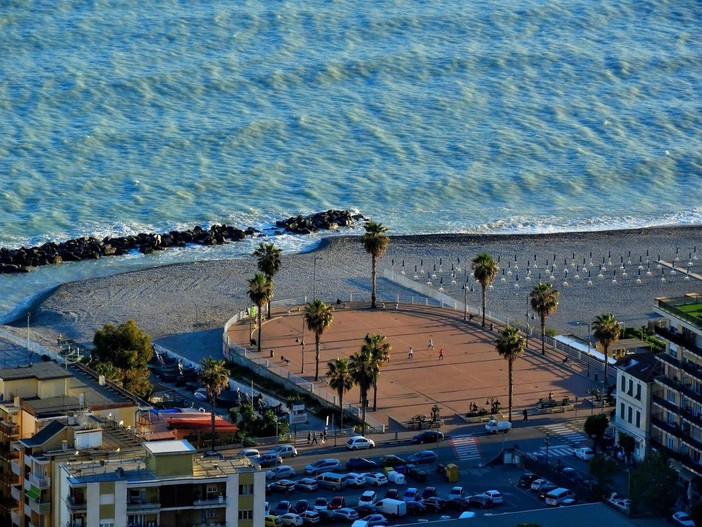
(89, 248)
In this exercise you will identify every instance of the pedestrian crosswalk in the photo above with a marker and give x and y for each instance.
(466, 447)
(557, 451)
(564, 432)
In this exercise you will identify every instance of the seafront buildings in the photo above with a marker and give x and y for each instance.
(71, 455)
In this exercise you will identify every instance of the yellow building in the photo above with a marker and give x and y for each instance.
(168, 485)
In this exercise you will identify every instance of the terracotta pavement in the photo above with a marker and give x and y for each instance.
(471, 369)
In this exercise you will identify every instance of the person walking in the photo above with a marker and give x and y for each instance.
(410, 353)
(309, 438)
(441, 354)
(525, 414)
(431, 344)
(314, 438)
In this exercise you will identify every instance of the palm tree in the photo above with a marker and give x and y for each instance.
(269, 264)
(318, 317)
(544, 300)
(215, 376)
(380, 353)
(510, 345)
(260, 293)
(340, 379)
(484, 270)
(606, 331)
(375, 242)
(363, 372)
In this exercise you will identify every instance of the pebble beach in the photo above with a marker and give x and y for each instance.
(185, 306)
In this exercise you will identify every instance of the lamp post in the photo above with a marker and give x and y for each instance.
(546, 440)
(588, 349)
(28, 314)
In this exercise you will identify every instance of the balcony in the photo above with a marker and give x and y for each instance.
(40, 507)
(15, 468)
(16, 493)
(9, 429)
(220, 501)
(76, 504)
(681, 457)
(671, 306)
(15, 519)
(678, 338)
(42, 483)
(138, 505)
(680, 387)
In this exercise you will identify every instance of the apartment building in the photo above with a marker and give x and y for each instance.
(635, 378)
(676, 401)
(168, 485)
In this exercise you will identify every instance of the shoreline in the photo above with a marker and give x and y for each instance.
(184, 298)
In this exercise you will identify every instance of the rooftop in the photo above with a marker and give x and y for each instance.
(688, 308)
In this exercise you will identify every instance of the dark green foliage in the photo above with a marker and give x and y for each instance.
(595, 426)
(652, 486)
(628, 444)
(603, 469)
(696, 512)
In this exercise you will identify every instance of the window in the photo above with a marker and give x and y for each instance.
(629, 415)
(621, 410)
(623, 383)
(638, 419)
(630, 391)
(671, 396)
(246, 489)
(246, 515)
(638, 391)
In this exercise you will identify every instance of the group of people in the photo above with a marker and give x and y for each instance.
(312, 437)
(410, 351)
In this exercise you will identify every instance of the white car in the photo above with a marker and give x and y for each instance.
(322, 465)
(376, 479)
(495, 496)
(682, 518)
(291, 519)
(281, 472)
(537, 485)
(585, 453)
(353, 479)
(359, 442)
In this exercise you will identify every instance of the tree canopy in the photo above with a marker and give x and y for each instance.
(375, 242)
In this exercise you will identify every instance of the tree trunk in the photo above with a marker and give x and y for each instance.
(606, 354)
(316, 356)
(213, 402)
(260, 327)
(484, 303)
(375, 396)
(364, 403)
(373, 306)
(543, 335)
(269, 310)
(341, 411)
(509, 417)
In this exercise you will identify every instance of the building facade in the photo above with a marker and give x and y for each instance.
(676, 402)
(168, 485)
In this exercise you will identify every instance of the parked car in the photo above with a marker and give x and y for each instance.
(458, 504)
(391, 460)
(423, 456)
(308, 484)
(310, 517)
(396, 477)
(368, 497)
(249, 452)
(272, 520)
(280, 472)
(282, 485)
(346, 514)
(337, 502)
(375, 519)
(428, 492)
(538, 483)
(526, 479)
(416, 473)
(282, 507)
(355, 480)
(495, 496)
(322, 465)
(301, 506)
(683, 518)
(360, 463)
(393, 494)
(428, 436)
(545, 489)
(365, 509)
(572, 474)
(410, 494)
(292, 519)
(321, 504)
(585, 453)
(455, 492)
(284, 451)
(434, 503)
(268, 460)
(376, 478)
(479, 500)
(359, 442)
(213, 455)
(415, 508)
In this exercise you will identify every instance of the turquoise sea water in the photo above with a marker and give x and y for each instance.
(455, 116)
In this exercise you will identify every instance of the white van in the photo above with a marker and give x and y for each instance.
(330, 480)
(557, 496)
(493, 426)
(391, 507)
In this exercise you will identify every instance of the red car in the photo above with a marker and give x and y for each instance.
(337, 502)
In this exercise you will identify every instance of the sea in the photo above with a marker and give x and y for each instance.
(526, 116)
